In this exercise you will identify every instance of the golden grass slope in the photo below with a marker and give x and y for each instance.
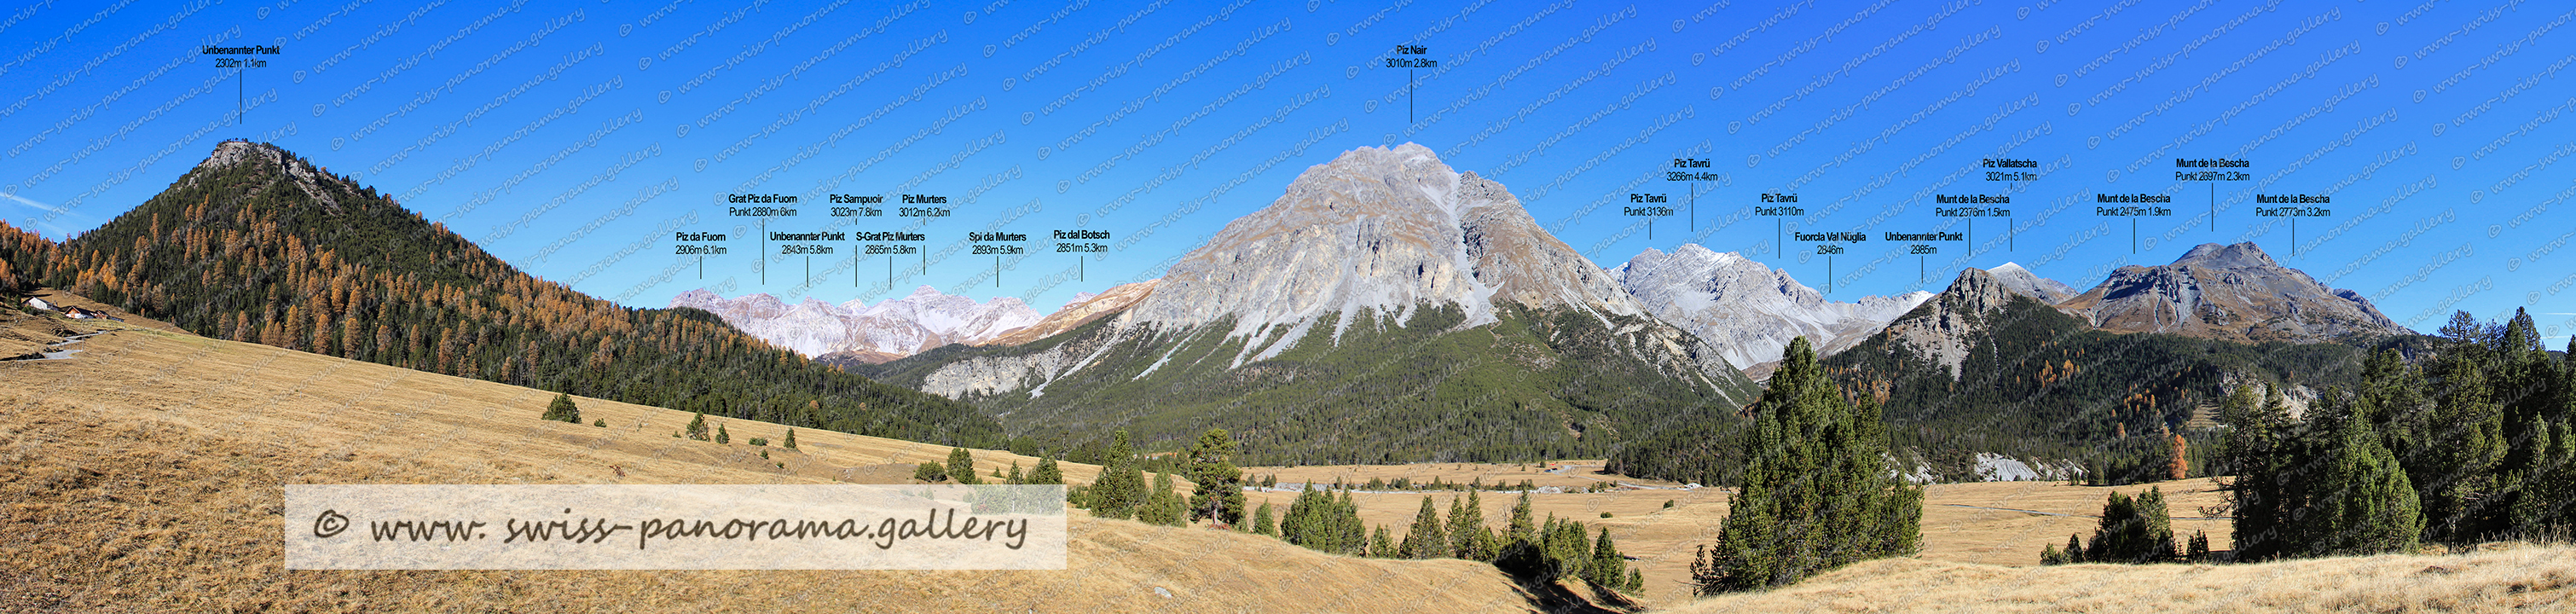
(145, 475)
(2506, 578)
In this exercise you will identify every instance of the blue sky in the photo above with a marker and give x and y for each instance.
(574, 139)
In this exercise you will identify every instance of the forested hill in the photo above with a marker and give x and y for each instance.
(256, 244)
(2038, 384)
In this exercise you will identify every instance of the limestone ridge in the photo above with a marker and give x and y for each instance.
(1083, 309)
(2230, 292)
(1390, 230)
(890, 329)
(1750, 311)
(1941, 329)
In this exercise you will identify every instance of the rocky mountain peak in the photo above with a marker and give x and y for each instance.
(1940, 329)
(2030, 284)
(1748, 310)
(2231, 292)
(1381, 230)
(306, 176)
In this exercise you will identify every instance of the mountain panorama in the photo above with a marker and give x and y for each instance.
(1384, 307)
(1381, 294)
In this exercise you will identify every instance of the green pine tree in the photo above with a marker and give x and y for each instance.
(1427, 539)
(791, 439)
(1817, 492)
(930, 472)
(961, 466)
(562, 409)
(1121, 486)
(1381, 545)
(697, 428)
(1264, 521)
(1468, 538)
(2131, 530)
(2374, 507)
(1521, 530)
(1609, 568)
(1047, 472)
(1219, 484)
(1163, 507)
(722, 436)
(2257, 453)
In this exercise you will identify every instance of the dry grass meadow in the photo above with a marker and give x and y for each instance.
(145, 475)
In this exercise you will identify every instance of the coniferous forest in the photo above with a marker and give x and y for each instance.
(2467, 443)
(268, 250)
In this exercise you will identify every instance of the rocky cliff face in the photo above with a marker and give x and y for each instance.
(1941, 329)
(2230, 292)
(867, 333)
(1750, 311)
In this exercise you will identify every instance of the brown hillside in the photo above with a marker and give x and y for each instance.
(145, 475)
(2501, 579)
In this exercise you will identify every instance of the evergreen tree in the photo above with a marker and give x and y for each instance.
(1521, 530)
(722, 436)
(1609, 568)
(1381, 545)
(791, 439)
(1017, 477)
(698, 427)
(2256, 453)
(1817, 493)
(1567, 551)
(961, 465)
(1427, 539)
(930, 472)
(2138, 530)
(1264, 522)
(1468, 538)
(1163, 507)
(1121, 486)
(1320, 521)
(2469, 431)
(2369, 505)
(1047, 472)
(1219, 494)
(563, 409)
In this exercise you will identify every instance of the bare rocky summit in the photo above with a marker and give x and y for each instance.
(1384, 229)
(2230, 292)
(1750, 311)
